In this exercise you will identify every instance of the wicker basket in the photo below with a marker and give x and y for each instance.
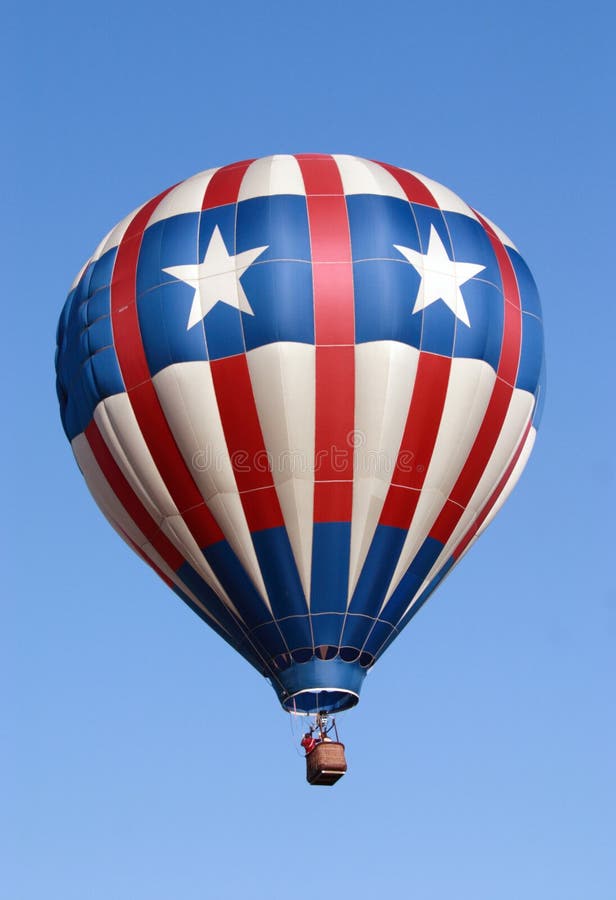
(326, 763)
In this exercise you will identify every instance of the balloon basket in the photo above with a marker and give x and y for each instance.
(326, 763)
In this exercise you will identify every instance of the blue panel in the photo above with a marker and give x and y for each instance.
(281, 297)
(385, 293)
(106, 375)
(279, 223)
(439, 328)
(531, 356)
(483, 339)
(327, 628)
(99, 335)
(89, 398)
(412, 580)
(373, 582)
(102, 271)
(223, 331)
(80, 314)
(170, 242)
(471, 244)
(86, 364)
(71, 350)
(98, 305)
(163, 315)
(529, 295)
(377, 223)
(78, 409)
(224, 218)
(150, 311)
(280, 575)
(70, 419)
(84, 381)
(82, 289)
(357, 629)
(270, 638)
(331, 543)
(381, 632)
(297, 632)
(237, 584)
(427, 218)
(178, 244)
(212, 603)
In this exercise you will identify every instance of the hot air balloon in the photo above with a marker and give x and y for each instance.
(300, 387)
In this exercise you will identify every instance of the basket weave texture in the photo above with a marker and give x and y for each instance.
(326, 758)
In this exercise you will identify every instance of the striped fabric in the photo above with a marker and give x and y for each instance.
(300, 387)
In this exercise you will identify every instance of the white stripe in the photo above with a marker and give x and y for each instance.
(446, 199)
(187, 396)
(272, 175)
(118, 425)
(500, 233)
(469, 389)
(120, 430)
(520, 410)
(102, 491)
(361, 176)
(186, 197)
(283, 382)
(509, 484)
(384, 378)
(119, 519)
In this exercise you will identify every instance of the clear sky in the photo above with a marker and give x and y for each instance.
(141, 758)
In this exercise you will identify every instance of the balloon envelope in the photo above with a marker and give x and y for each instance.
(300, 387)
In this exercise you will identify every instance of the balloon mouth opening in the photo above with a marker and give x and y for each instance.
(330, 700)
(319, 685)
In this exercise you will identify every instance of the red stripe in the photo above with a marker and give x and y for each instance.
(129, 499)
(333, 501)
(335, 398)
(241, 422)
(334, 323)
(144, 400)
(512, 329)
(320, 173)
(224, 186)
(492, 500)
(417, 445)
(415, 190)
(495, 414)
(334, 314)
(245, 443)
(236, 402)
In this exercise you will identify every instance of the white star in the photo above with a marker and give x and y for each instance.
(216, 279)
(441, 277)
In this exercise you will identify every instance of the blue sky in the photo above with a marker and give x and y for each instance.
(141, 757)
